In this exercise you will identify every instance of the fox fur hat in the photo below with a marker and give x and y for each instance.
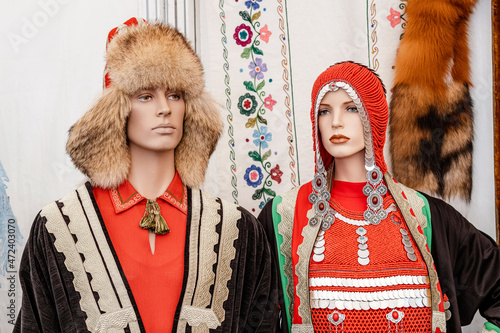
(145, 56)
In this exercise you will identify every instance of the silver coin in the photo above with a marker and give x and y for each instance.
(369, 297)
(410, 249)
(363, 253)
(392, 303)
(407, 293)
(416, 280)
(401, 293)
(323, 303)
(391, 294)
(384, 304)
(361, 231)
(320, 243)
(405, 237)
(392, 280)
(406, 242)
(320, 238)
(349, 305)
(318, 257)
(331, 306)
(363, 246)
(362, 239)
(363, 261)
(364, 305)
(403, 231)
(356, 283)
(375, 305)
(319, 250)
(399, 280)
(412, 302)
(340, 305)
(401, 302)
(362, 283)
(419, 302)
(314, 304)
(321, 233)
(356, 305)
(412, 257)
(427, 301)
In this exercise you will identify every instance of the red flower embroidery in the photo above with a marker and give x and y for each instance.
(394, 18)
(276, 173)
(265, 34)
(269, 102)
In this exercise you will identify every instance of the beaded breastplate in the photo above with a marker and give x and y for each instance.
(368, 278)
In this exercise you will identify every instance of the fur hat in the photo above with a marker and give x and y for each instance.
(144, 56)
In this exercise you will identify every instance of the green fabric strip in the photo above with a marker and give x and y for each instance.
(279, 241)
(490, 327)
(427, 213)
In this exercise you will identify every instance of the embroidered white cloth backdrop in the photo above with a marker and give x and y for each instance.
(261, 58)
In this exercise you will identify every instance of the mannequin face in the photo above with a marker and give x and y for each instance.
(156, 120)
(340, 126)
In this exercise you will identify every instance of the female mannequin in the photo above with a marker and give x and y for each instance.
(358, 251)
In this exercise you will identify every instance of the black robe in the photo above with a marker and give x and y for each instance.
(72, 280)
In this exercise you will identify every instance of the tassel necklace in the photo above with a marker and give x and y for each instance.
(152, 219)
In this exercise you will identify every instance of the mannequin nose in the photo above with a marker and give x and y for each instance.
(163, 107)
(337, 119)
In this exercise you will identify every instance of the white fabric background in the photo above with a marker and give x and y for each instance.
(51, 64)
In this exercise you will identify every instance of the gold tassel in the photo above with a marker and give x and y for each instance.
(152, 219)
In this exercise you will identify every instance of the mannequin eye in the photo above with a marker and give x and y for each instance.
(174, 96)
(145, 98)
(352, 109)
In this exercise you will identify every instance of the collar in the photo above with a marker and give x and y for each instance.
(125, 196)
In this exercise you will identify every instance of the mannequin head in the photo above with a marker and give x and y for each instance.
(366, 91)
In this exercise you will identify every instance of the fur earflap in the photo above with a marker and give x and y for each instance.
(202, 129)
(97, 142)
(146, 56)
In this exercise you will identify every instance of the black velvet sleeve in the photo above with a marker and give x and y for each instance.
(266, 219)
(468, 265)
(46, 298)
(257, 278)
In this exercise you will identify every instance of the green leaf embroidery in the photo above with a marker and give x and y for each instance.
(245, 16)
(251, 122)
(249, 85)
(257, 195)
(266, 155)
(246, 52)
(270, 192)
(255, 16)
(261, 85)
(254, 155)
(256, 50)
(261, 120)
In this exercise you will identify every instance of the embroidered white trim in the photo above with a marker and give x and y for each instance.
(371, 282)
(361, 223)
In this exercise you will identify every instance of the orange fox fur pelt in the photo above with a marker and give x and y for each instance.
(431, 120)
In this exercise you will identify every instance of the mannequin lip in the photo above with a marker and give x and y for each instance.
(164, 128)
(339, 138)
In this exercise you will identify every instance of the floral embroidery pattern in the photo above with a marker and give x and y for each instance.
(255, 102)
(247, 104)
(394, 17)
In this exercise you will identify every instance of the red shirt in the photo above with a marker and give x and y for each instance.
(155, 280)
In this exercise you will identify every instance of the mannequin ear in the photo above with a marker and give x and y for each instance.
(202, 129)
(97, 142)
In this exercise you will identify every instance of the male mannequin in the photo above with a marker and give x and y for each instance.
(140, 247)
